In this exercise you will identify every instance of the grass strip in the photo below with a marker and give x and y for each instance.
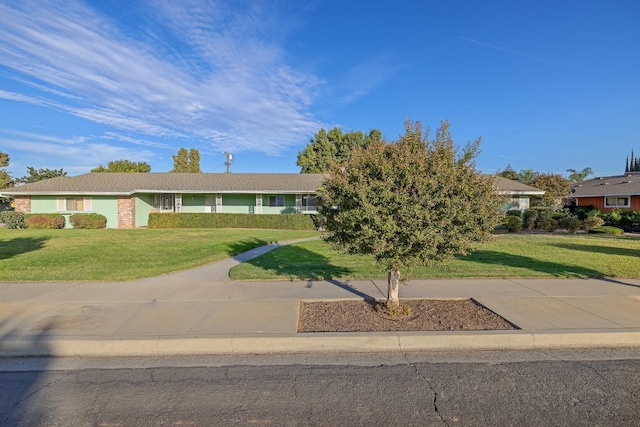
(506, 256)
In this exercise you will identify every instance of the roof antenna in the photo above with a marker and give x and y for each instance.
(229, 160)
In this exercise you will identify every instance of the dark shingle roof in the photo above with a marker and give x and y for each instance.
(130, 183)
(623, 185)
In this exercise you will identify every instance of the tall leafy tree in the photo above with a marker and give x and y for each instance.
(555, 186)
(186, 161)
(6, 181)
(579, 176)
(34, 175)
(4, 160)
(332, 146)
(123, 166)
(411, 202)
(194, 161)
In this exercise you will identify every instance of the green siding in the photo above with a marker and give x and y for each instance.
(143, 209)
(104, 205)
(238, 203)
(193, 203)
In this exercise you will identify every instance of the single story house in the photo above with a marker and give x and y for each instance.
(127, 199)
(519, 194)
(609, 192)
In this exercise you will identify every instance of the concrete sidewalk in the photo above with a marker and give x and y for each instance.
(201, 311)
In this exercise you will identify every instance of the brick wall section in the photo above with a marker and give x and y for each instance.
(23, 204)
(127, 212)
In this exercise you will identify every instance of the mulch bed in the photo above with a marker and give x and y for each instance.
(426, 315)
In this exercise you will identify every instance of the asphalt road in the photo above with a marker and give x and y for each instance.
(568, 388)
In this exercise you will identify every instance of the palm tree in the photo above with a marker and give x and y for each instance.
(578, 176)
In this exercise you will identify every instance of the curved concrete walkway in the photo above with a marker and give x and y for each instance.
(201, 311)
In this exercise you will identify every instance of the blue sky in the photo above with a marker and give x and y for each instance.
(549, 85)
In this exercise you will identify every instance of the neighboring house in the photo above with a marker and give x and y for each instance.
(609, 192)
(126, 199)
(519, 194)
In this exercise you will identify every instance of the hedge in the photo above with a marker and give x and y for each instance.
(89, 221)
(230, 220)
(44, 221)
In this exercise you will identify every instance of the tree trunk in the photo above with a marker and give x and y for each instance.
(393, 281)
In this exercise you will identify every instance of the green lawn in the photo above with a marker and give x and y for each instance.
(508, 255)
(118, 255)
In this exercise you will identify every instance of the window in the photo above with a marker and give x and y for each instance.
(309, 203)
(616, 202)
(74, 204)
(276, 200)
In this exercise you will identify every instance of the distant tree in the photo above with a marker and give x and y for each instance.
(526, 176)
(123, 166)
(633, 165)
(194, 161)
(407, 203)
(509, 173)
(555, 186)
(333, 146)
(186, 161)
(4, 160)
(579, 176)
(34, 175)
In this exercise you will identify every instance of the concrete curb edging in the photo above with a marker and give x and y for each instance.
(315, 343)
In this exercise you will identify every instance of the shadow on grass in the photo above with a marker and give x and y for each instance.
(298, 263)
(518, 261)
(598, 249)
(237, 247)
(20, 245)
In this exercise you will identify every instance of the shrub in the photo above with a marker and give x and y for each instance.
(606, 230)
(514, 224)
(612, 218)
(12, 219)
(92, 221)
(570, 222)
(229, 220)
(44, 221)
(550, 224)
(514, 212)
(544, 214)
(592, 221)
(530, 216)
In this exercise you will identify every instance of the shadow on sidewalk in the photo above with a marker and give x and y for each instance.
(19, 386)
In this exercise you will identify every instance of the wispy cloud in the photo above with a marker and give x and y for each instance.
(362, 78)
(82, 153)
(211, 73)
(514, 52)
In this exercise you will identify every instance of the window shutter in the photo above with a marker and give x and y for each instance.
(61, 204)
(88, 206)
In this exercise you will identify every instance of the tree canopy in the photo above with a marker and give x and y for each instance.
(579, 176)
(123, 166)
(4, 160)
(186, 161)
(410, 202)
(333, 146)
(555, 186)
(34, 175)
